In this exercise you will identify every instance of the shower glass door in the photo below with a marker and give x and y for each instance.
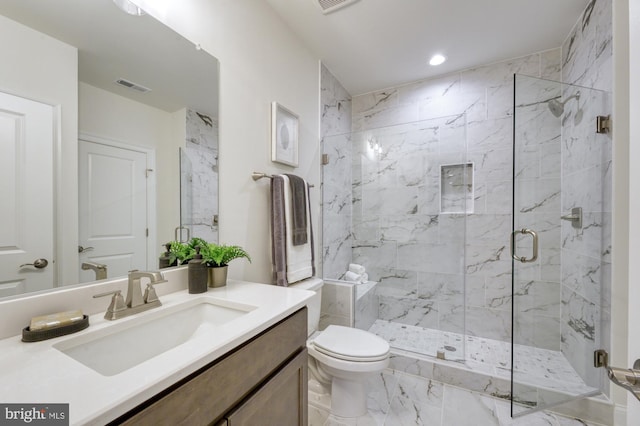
(185, 230)
(396, 199)
(561, 243)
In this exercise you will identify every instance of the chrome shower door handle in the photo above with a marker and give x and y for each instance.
(534, 255)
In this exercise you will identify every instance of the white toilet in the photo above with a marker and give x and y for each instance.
(342, 358)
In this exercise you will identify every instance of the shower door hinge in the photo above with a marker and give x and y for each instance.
(600, 358)
(603, 124)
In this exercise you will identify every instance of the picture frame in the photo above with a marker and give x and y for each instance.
(284, 135)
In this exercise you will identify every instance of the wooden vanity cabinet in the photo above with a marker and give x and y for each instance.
(261, 382)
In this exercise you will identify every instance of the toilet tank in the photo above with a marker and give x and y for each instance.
(314, 304)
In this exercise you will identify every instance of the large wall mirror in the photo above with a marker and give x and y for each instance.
(98, 110)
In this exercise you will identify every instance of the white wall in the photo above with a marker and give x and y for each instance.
(119, 119)
(621, 169)
(260, 61)
(626, 289)
(41, 68)
(634, 199)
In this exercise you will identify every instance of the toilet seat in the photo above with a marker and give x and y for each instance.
(351, 344)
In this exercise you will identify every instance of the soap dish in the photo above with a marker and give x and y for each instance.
(39, 335)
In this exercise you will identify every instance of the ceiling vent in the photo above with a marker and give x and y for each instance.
(133, 86)
(329, 6)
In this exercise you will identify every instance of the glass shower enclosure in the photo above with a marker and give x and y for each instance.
(560, 242)
(489, 249)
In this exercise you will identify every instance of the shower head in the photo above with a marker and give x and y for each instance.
(557, 108)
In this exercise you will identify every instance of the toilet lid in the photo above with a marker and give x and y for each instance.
(351, 344)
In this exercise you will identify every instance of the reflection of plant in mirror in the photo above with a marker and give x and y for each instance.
(180, 252)
(220, 255)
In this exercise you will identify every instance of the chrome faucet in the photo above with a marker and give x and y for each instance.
(134, 292)
(135, 302)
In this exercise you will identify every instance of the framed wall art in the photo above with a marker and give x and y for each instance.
(284, 135)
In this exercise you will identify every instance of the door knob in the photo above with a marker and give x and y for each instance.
(82, 249)
(38, 263)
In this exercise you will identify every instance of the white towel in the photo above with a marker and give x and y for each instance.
(357, 269)
(299, 259)
(352, 276)
(356, 278)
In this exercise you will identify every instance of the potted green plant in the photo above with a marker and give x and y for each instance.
(217, 257)
(180, 253)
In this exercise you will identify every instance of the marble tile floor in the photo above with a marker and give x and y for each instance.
(535, 367)
(400, 399)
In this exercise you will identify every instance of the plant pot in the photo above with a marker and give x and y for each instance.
(218, 276)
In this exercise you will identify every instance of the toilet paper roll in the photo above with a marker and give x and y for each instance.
(356, 269)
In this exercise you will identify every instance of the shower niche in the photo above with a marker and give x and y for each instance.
(456, 188)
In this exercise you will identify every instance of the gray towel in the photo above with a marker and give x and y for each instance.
(299, 210)
(278, 232)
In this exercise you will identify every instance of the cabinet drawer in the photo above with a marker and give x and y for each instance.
(282, 400)
(209, 393)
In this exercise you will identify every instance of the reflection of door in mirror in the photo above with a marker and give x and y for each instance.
(113, 193)
(26, 191)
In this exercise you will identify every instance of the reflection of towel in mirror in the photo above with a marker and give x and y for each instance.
(290, 263)
(298, 223)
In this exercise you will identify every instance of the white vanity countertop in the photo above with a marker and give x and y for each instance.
(38, 373)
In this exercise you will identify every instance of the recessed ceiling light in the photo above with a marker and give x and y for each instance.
(437, 60)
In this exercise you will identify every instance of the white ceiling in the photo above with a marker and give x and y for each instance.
(374, 44)
(113, 45)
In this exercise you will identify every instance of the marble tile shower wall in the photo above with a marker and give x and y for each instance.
(421, 257)
(202, 150)
(587, 182)
(336, 180)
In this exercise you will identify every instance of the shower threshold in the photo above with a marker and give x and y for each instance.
(540, 375)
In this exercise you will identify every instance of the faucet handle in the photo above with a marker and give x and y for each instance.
(150, 294)
(117, 303)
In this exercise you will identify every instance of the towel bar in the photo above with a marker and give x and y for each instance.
(258, 176)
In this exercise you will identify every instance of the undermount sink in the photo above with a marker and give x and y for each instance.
(120, 346)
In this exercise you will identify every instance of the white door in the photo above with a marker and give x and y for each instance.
(26, 195)
(113, 208)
